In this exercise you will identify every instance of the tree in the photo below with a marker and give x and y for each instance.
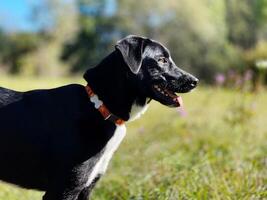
(245, 20)
(56, 24)
(194, 31)
(14, 47)
(94, 38)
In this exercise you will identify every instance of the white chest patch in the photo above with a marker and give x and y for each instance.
(112, 145)
(137, 111)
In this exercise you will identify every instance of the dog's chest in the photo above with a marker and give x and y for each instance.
(137, 111)
(107, 153)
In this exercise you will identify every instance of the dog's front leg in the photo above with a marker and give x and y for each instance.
(56, 195)
(61, 188)
(85, 193)
(59, 196)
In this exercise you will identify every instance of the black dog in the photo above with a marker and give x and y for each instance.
(61, 140)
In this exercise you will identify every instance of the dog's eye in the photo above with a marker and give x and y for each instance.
(162, 60)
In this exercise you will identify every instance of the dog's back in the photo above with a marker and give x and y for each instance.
(46, 132)
(8, 96)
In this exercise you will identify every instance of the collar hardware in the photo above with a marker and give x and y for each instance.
(99, 105)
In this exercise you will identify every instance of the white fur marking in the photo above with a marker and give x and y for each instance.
(137, 111)
(109, 149)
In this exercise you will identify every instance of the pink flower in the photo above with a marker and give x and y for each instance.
(141, 130)
(219, 79)
(182, 111)
(248, 75)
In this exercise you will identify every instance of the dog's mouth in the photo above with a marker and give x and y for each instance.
(167, 96)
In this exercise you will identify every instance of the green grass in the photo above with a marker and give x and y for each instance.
(218, 151)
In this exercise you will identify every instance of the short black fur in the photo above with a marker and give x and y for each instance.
(50, 140)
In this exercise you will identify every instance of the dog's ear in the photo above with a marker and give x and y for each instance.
(132, 48)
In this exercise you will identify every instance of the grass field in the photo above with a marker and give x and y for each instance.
(217, 150)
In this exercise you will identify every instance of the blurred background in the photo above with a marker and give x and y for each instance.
(215, 40)
(215, 148)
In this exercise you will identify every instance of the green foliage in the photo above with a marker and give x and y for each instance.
(218, 151)
(38, 53)
(14, 47)
(241, 22)
(205, 37)
(252, 57)
(57, 20)
(4, 44)
(259, 52)
(94, 39)
(195, 32)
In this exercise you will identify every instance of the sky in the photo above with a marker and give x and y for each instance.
(15, 15)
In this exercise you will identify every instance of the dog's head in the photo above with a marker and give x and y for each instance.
(153, 70)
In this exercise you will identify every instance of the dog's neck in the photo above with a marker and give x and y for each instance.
(110, 81)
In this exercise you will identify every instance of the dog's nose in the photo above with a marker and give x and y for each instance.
(194, 82)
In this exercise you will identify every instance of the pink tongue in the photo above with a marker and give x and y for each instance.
(179, 100)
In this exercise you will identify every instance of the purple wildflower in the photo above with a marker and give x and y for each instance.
(182, 111)
(219, 79)
(248, 75)
(141, 130)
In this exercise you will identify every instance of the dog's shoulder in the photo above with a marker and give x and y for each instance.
(67, 89)
(66, 93)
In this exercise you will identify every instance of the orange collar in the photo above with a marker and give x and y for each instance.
(99, 105)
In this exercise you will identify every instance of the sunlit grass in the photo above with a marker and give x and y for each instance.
(218, 151)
